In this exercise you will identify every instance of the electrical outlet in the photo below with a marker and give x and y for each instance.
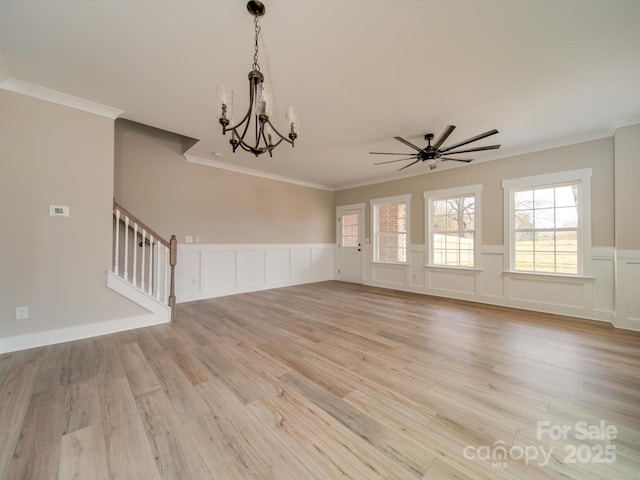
(22, 313)
(188, 239)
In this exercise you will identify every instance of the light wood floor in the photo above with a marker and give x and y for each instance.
(325, 381)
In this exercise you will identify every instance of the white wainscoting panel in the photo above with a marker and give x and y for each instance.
(593, 296)
(452, 280)
(628, 289)
(390, 274)
(208, 271)
(278, 267)
(603, 264)
(301, 264)
(251, 269)
(223, 263)
(188, 274)
(322, 262)
(418, 259)
(633, 301)
(547, 291)
(492, 265)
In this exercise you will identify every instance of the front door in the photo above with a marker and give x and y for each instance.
(350, 231)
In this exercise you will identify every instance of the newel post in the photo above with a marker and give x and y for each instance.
(173, 259)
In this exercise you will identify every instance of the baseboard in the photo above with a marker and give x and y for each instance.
(595, 315)
(204, 295)
(69, 334)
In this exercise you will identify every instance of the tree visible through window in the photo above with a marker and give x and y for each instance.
(546, 228)
(453, 231)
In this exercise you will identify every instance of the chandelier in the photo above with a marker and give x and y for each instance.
(263, 136)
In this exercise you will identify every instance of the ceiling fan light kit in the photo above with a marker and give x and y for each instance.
(264, 137)
(432, 153)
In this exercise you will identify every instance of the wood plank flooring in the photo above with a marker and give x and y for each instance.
(327, 381)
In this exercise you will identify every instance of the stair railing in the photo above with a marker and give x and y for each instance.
(153, 270)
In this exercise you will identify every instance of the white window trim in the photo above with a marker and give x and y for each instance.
(381, 202)
(583, 177)
(476, 191)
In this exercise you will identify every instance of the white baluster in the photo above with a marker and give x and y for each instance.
(166, 273)
(135, 254)
(144, 233)
(126, 247)
(117, 241)
(158, 245)
(150, 264)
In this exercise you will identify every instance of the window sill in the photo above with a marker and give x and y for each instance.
(549, 276)
(457, 269)
(399, 264)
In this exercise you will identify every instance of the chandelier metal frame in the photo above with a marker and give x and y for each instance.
(265, 137)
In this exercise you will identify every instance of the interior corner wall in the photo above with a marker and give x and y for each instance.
(155, 182)
(253, 233)
(627, 219)
(56, 266)
(627, 195)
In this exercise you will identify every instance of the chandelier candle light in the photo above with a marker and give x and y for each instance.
(266, 137)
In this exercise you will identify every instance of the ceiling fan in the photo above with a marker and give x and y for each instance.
(431, 153)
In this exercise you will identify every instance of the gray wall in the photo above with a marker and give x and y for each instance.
(627, 147)
(155, 182)
(51, 154)
(597, 154)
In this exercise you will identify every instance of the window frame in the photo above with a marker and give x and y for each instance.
(376, 203)
(581, 177)
(448, 193)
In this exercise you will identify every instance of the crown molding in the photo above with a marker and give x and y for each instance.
(18, 86)
(255, 173)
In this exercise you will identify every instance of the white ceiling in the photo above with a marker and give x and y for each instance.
(544, 73)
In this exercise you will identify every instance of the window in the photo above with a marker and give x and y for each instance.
(549, 222)
(350, 235)
(390, 229)
(452, 233)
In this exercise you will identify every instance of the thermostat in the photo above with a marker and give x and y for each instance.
(58, 211)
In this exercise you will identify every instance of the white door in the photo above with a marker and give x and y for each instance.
(350, 231)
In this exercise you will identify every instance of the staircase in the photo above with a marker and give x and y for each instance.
(143, 268)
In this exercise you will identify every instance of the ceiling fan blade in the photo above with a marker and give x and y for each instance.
(457, 159)
(470, 140)
(398, 160)
(387, 153)
(477, 149)
(444, 136)
(408, 144)
(407, 166)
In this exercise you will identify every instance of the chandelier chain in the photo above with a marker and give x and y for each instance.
(255, 55)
